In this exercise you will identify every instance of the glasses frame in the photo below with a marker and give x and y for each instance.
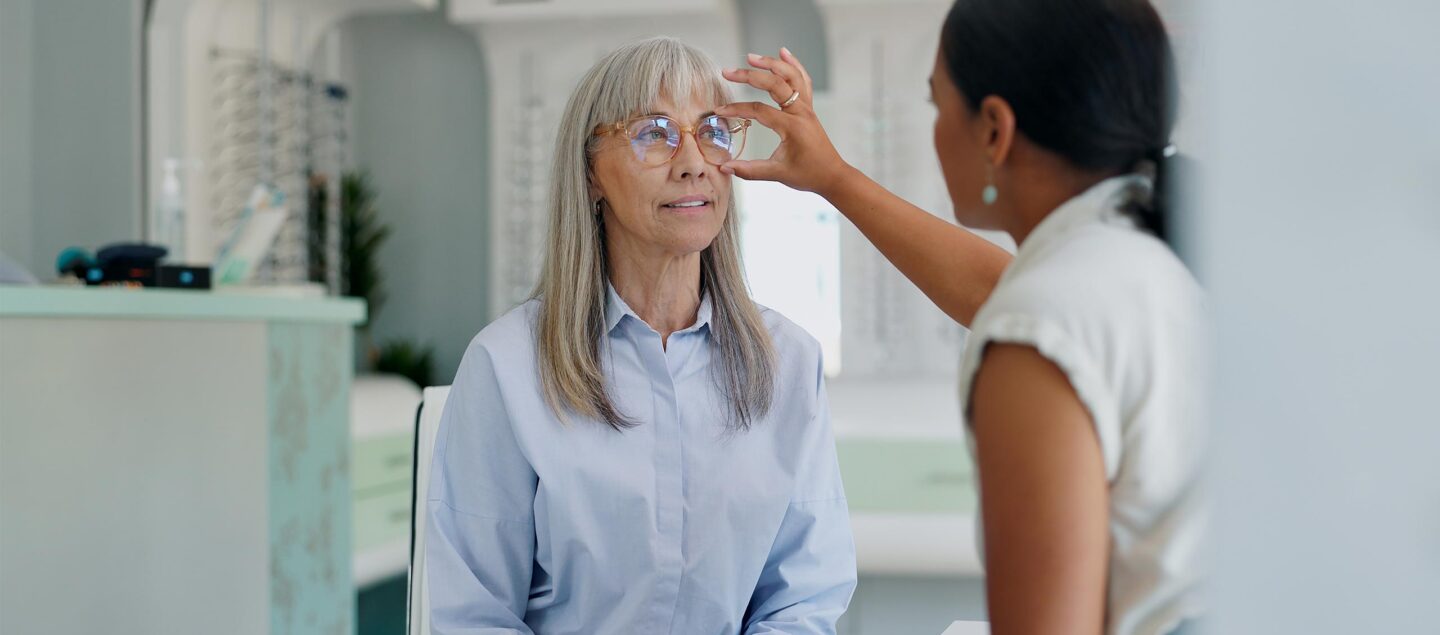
(693, 131)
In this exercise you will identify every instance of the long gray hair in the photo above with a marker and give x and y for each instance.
(572, 288)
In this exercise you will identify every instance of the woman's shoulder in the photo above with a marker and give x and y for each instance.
(510, 337)
(790, 340)
(1103, 273)
(799, 363)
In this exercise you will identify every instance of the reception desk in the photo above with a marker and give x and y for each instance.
(174, 462)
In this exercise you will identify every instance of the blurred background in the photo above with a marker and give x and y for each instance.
(348, 190)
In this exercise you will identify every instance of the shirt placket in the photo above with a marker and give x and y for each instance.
(669, 476)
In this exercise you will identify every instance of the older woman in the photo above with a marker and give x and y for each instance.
(640, 448)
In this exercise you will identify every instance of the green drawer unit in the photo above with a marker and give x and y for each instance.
(383, 517)
(381, 472)
(907, 476)
(382, 462)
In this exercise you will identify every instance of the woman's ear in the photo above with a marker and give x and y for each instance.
(591, 188)
(997, 127)
(597, 196)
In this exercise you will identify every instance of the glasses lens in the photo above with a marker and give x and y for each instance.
(721, 138)
(654, 139)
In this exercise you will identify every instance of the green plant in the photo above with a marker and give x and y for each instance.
(361, 236)
(408, 359)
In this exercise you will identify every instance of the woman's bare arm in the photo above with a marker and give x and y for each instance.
(1043, 497)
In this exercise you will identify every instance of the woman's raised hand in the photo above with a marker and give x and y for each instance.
(806, 159)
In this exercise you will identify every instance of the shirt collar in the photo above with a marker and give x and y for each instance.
(616, 309)
(1100, 202)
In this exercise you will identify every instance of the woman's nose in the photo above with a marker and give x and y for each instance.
(688, 162)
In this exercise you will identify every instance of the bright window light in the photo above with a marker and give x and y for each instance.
(791, 244)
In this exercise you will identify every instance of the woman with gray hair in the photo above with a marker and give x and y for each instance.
(640, 448)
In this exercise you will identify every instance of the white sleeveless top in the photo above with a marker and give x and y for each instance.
(1120, 315)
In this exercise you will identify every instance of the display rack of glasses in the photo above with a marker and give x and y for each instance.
(884, 307)
(881, 119)
(298, 131)
(328, 159)
(521, 221)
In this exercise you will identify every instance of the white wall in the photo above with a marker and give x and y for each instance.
(17, 87)
(69, 126)
(421, 110)
(767, 25)
(1321, 243)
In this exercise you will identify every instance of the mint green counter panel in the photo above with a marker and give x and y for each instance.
(310, 493)
(93, 302)
(907, 476)
(382, 462)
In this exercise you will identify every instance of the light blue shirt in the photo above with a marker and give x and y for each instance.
(676, 525)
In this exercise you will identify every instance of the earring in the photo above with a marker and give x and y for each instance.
(989, 194)
(597, 206)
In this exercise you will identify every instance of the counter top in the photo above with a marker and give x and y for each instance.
(913, 505)
(112, 303)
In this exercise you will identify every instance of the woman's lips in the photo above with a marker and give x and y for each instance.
(688, 204)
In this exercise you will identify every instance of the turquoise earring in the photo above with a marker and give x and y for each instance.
(989, 194)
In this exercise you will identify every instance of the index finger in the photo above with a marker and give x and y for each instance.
(769, 116)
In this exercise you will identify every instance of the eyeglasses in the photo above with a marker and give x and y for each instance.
(656, 139)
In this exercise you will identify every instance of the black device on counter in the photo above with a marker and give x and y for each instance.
(182, 277)
(132, 264)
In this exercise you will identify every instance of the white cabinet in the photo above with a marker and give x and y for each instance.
(174, 462)
(382, 437)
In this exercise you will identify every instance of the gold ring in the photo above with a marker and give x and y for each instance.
(791, 100)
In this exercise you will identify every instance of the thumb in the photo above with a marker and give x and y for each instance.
(757, 170)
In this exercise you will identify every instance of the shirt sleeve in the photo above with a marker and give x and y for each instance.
(1055, 341)
(809, 576)
(480, 541)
